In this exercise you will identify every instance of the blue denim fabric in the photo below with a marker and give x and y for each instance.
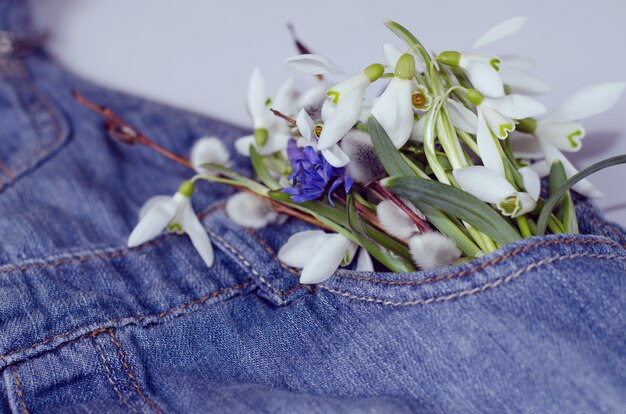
(89, 325)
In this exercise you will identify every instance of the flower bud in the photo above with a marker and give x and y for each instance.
(474, 96)
(374, 71)
(405, 68)
(186, 188)
(260, 136)
(527, 125)
(449, 58)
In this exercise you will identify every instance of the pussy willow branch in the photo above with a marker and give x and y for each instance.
(127, 134)
(384, 194)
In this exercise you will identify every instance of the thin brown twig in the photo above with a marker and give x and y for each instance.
(384, 193)
(121, 130)
(283, 116)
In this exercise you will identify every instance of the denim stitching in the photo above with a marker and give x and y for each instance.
(18, 388)
(271, 252)
(130, 374)
(130, 320)
(481, 266)
(109, 376)
(475, 290)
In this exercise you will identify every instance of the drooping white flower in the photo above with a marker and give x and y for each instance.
(319, 254)
(311, 131)
(561, 131)
(270, 133)
(313, 64)
(483, 70)
(249, 210)
(208, 150)
(491, 187)
(176, 215)
(431, 250)
(341, 111)
(497, 117)
(395, 221)
(394, 109)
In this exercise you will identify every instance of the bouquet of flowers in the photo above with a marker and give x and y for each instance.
(443, 166)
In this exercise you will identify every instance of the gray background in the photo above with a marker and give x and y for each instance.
(198, 54)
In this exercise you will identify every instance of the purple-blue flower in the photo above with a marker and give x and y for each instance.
(313, 175)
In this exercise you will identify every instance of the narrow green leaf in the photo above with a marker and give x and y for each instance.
(457, 203)
(388, 154)
(554, 198)
(566, 211)
(261, 169)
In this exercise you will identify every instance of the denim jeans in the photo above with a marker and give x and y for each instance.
(89, 325)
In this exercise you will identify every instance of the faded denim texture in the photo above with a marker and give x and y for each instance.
(88, 325)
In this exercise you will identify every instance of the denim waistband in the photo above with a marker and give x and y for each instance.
(51, 302)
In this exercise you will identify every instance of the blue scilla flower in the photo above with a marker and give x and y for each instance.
(313, 175)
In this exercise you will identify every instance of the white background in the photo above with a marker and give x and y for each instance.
(197, 54)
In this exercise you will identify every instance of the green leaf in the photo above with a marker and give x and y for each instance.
(388, 154)
(232, 178)
(457, 203)
(566, 211)
(408, 37)
(261, 169)
(555, 197)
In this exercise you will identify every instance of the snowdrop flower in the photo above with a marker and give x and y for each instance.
(431, 250)
(208, 150)
(270, 133)
(560, 130)
(320, 254)
(394, 109)
(176, 214)
(497, 117)
(341, 111)
(311, 131)
(249, 210)
(395, 221)
(490, 187)
(483, 70)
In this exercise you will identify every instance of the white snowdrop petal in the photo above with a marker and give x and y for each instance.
(325, 260)
(516, 106)
(532, 182)
(364, 261)
(335, 156)
(154, 220)
(305, 125)
(249, 210)
(342, 119)
(394, 111)
(256, 95)
(152, 202)
(483, 183)
(208, 150)
(499, 124)
(242, 145)
(392, 54)
(484, 77)
(566, 136)
(461, 117)
(417, 133)
(542, 168)
(432, 250)
(588, 101)
(296, 252)
(523, 82)
(584, 186)
(500, 31)
(313, 97)
(395, 221)
(277, 141)
(313, 64)
(285, 99)
(489, 153)
(197, 233)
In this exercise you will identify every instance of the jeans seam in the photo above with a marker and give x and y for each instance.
(18, 389)
(147, 320)
(130, 374)
(496, 260)
(109, 376)
(475, 290)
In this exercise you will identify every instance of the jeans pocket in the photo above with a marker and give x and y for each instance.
(33, 125)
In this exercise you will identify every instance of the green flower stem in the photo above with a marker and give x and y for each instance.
(522, 224)
(476, 235)
(489, 243)
(417, 170)
(469, 141)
